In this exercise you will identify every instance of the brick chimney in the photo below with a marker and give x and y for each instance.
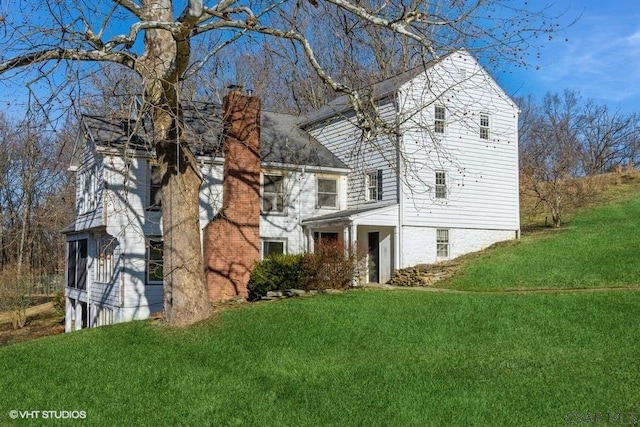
(231, 241)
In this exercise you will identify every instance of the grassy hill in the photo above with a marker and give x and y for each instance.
(376, 357)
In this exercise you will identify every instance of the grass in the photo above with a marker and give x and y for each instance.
(597, 249)
(376, 357)
(359, 358)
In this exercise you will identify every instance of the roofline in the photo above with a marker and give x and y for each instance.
(417, 70)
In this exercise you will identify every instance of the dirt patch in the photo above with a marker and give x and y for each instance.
(42, 320)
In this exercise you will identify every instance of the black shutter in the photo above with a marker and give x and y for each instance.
(379, 184)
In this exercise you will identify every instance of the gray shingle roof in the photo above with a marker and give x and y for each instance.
(282, 140)
(376, 91)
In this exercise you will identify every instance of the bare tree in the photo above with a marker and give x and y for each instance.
(606, 137)
(156, 45)
(550, 153)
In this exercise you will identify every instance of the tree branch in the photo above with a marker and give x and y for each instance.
(131, 7)
(127, 60)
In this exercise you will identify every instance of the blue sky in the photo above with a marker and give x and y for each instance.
(600, 58)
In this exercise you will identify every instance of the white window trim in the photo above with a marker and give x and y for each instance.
(437, 121)
(486, 127)
(337, 192)
(369, 177)
(273, 240)
(283, 194)
(444, 243)
(439, 186)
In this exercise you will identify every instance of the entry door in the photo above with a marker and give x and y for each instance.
(374, 257)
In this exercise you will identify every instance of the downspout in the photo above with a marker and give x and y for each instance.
(399, 234)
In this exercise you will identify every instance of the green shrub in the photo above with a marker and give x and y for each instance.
(58, 302)
(277, 272)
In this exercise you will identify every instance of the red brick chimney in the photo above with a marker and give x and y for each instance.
(231, 241)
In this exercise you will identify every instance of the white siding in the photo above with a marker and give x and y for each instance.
(89, 190)
(300, 203)
(419, 244)
(482, 175)
(343, 137)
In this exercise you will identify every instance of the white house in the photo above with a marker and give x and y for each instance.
(443, 183)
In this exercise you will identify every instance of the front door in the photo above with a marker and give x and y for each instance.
(374, 257)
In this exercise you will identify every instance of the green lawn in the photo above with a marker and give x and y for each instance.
(599, 248)
(375, 357)
(361, 358)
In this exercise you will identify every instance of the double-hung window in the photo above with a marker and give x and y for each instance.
(373, 185)
(484, 126)
(442, 243)
(440, 119)
(273, 193)
(441, 185)
(327, 193)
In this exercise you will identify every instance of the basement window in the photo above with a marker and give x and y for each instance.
(442, 243)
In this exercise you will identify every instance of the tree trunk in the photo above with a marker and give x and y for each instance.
(161, 65)
(185, 294)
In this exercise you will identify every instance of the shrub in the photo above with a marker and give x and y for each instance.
(15, 293)
(59, 302)
(330, 266)
(277, 272)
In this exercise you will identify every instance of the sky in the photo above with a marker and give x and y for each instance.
(600, 57)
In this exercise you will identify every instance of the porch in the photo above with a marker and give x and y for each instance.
(370, 230)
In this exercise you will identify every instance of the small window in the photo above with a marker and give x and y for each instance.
(105, 262)
(440, 119)
(373, 185)
(442, 243)
(441, 185)
(273, 193)
(327, 193)
(484, 126)
(155, 261)
(273, 247)
(155, 187)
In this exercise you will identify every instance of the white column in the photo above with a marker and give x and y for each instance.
(78, 318)
(68, 315)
